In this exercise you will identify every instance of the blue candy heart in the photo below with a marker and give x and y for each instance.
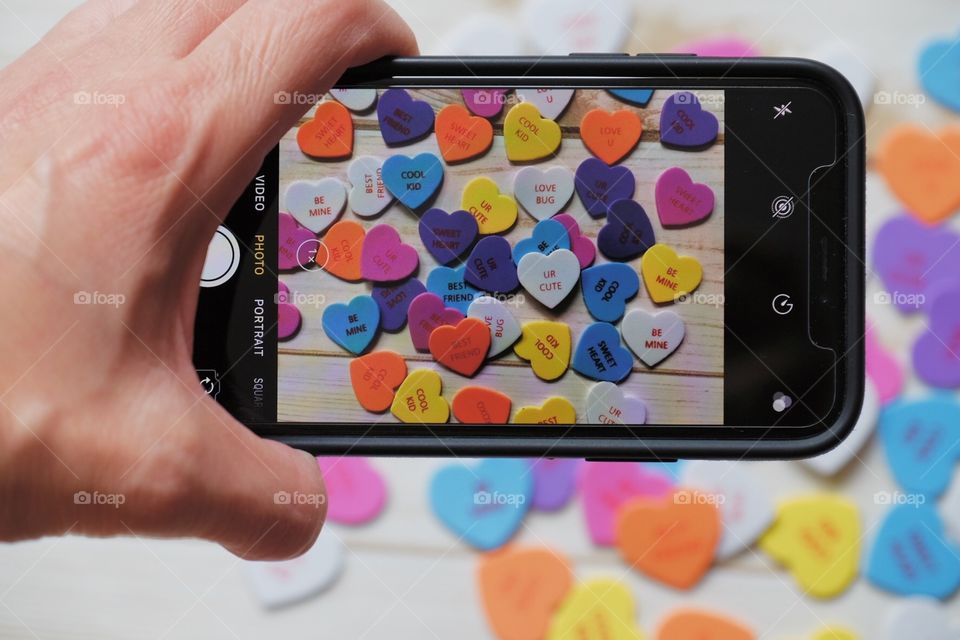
(911, 555)
(414, 180)
(354, 325)
(599, 355)
(940, 72)
(640, 97)
(922, 441)
(448, 283)
(606, 289)
(485, 504)
(548, 236)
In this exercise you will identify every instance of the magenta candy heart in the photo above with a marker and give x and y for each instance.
(384, 257)
(486, 103)
(885, 372)
(719, 47)
(606, 486)
(297, 245)
(581, 246)
(288, 321)
(490, 266)
(680, 201)
(403, 119)
(936, 353)
(357, 493)
(599, 185)
(684, 124)
(425, 314)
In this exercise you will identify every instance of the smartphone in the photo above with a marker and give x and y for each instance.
(394, 280)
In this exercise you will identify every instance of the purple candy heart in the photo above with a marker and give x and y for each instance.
(297, 245)
(447, 236)
(554, 482)
(600, 185)
(936, 353)
(914, 259)
(490, 266)
(685, 125)
(486, 103)
(628, 232)
(581, 246)
(425, 314)
(394, 301)
(403, 119)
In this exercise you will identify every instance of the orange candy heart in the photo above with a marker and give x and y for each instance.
(671, 540)
(923, 170)
(329, 134)
(481, 405)
(610, 135)
(689, 624)
(461, 347)
(460, 135)
(521, 589)
(375, 378)
(339, 251)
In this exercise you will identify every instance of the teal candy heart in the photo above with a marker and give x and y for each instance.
(606, 289)
(922, 442)
(414, 180)
(448, 283)
(634, 96)
(484, 504)
(548, 236)
(939, 68)
(911, 555)
(354, 325)
(599, 355)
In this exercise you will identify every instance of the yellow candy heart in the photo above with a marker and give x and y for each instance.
(547, 346)
(600, 609)
(418, 399)
(818, 538)
(527, 136)
(667, 275)
(556, 410)
(494, 211)
(835, 633)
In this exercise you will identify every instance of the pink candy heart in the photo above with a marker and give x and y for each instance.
(581, 246)
(722, 47)
(297, 245)
(425, 314)
(288, 316)
(484, 102)
(356, 493)
(680, 200)
(384, 257)
(606, 486)
(883, 369)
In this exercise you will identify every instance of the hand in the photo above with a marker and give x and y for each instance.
(126, 135)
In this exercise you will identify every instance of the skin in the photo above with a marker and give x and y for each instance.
(120, 194)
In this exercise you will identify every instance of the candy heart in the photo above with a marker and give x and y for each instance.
(341, 249)
(919, 618)
(462, 347)
(606, 289)
(521, 588)
(418, 399)
(610, 136)
(354, 325)
(550, 103)
(296, 245)
(922, 442)
(329, 134)
(447, 235)
(554, 482)
(719, 47)
(504, 328)
(667, 275)
(599, 355)
(288, 321)
(581, 246)
(394, 302)
(555, 410)
(882, 368)
(599, 185)
(413, 181)
(543, 193)
(817, 537)
(694, 624)
(403, 119)
(375, 377)
(627, 233)
(606, 486)
(550, 278)
(385, 258)
(547, 237)
(598, 609)
(746, 509)
(480, 405)
(450, 286)
(639, 97)
(829, 463)
(923, 170)
(490, 266)
(369, 195)
(685, 125)
(912, 556)
(484, 505)
(460, 135)
(939, 69)
(355, 99)
(546, 345)
(835, 633)
(559, 27)
(607, 404)
(315, 204)
(672, 540)
(935, 356)
(681, 201)
(426, 313)
(357, 493)
(277, 584)
(486, 103)
(527, 136)
(652, 336)
(494, 211)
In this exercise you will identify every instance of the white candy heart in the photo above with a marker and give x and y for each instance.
(504, 328)
(549, 102)
(745, 508)
(316, 204)
(543, 193)
(607, 404)
(355, 99)
(652, 336)
(559, 27)
(919, 618)
(832, 461)
(368, 195)
(277, 584)
(550, 278)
